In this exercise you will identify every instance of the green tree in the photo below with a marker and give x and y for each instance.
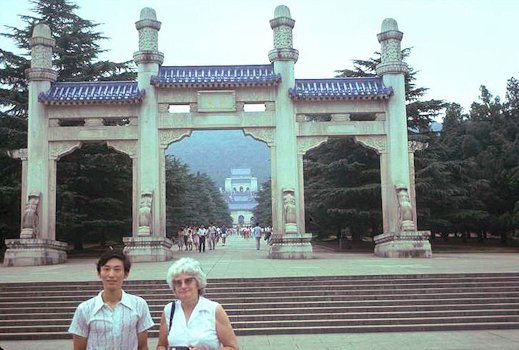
(263, 211)
(342, 179)
(491, 146)
(420, 113)
(342, 189)
(192, 199)
(76, 58)
(95, 197)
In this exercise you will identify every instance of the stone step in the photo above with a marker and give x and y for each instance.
(296, 281)
(293, 305)
(29, 322)
(321, 325)
(307, 330)
(290, 294)
(314, 322)
(167, 295)
(303, 310)
(290, 304)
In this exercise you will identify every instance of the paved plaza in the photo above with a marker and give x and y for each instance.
(240, 259)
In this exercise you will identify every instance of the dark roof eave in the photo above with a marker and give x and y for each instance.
(297, 97)
(133, 98)
(351, 88)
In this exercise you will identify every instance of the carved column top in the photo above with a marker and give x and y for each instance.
(148, 28)
(417, 146)
(390, 51)
(18, 153)
(282, 25)
(41, 55)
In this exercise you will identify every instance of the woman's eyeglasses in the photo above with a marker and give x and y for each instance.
(187, 281)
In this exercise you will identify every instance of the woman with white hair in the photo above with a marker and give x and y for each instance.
(193, 322)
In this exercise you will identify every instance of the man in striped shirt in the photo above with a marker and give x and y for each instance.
(112, 320)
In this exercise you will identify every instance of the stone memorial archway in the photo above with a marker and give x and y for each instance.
(134, 117)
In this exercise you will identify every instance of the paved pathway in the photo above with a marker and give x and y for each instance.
(239, 258)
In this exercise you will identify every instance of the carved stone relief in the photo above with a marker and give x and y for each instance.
(261, 134)
(283, 37)
(62, 148)
(148, 39)
(145, 215)
(405, 209)
(21, 154)
(41, 57)
(304, 144)
(417, 146)
(289, 210)
(169, 136)
(30, 220)
(376, 143)
(126, 147)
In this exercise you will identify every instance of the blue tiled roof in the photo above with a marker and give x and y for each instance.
(92, 92)
(216, 76)
(340, 89)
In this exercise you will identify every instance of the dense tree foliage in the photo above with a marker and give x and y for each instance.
(94, 202)
(342, 189)
(263, 211)
(192, 199)
(466, 180)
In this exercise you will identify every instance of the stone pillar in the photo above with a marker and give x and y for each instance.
(22, 155)
(379, 145)
(149, 243)
(395, 242)
(413, 147)
(291, 242)
(37, 245)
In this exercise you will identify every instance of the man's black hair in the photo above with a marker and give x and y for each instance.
(114, 254)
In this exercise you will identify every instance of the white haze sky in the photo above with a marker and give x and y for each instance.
(458, 45)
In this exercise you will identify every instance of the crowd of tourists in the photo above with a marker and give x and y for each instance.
(196, 238)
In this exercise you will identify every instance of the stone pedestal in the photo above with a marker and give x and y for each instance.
(34, 252)
(291, 246)
(407, 244)
(144, 249)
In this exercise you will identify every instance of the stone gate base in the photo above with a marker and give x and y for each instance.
(34, 252)
(145, 249)
(407, 244)
(291, 246)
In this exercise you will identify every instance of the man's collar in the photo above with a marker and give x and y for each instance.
(99, 303)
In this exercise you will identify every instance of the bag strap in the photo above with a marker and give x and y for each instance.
(171, 315)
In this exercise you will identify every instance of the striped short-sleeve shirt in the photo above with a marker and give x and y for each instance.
(111, 329)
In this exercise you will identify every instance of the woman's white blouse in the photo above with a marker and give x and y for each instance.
(199, 330)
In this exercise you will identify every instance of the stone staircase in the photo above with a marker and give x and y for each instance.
(261, 306)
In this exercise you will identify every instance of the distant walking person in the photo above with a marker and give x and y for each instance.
(256, 232)
(211, 231)
(223, 231)
(202, 232)
(112, 320)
